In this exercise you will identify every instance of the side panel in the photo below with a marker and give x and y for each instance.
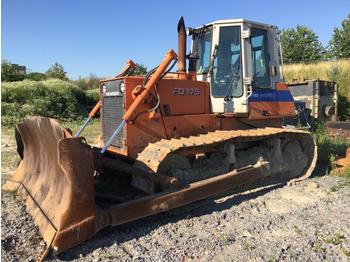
(183, 97)
(187, 125)
(271, 103)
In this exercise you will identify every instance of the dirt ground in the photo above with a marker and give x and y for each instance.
(309, 221)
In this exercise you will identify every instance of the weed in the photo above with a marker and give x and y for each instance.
(107, 257)
(345, 183)
(227, 239)
(318, 248)
(297, 229)
(346, 252)
(334, 189)
(345, 173)
(332, 159)
(336, 239)
(329, 148)
(11, 194)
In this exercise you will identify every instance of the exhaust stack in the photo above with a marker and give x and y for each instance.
(181, 45)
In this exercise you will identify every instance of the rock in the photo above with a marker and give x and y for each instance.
(246, 233)
(96, 259)
(312, 185)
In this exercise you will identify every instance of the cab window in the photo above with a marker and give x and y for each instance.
(202, 40)
(260, 58)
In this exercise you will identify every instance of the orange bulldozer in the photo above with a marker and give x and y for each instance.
(167, 138)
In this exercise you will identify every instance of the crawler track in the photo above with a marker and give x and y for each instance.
(154, 154)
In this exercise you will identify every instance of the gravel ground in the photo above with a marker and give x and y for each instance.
(309, 221)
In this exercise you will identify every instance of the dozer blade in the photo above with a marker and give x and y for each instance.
(55, 178)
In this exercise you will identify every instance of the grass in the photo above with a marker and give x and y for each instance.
(338, 71)
(91, 132)
(334, 189)
(346, 252)
(336, 239)
(329, 148)
(227, 239)
(297, 230)
(319, 249)
(346, 173)
(9, 156)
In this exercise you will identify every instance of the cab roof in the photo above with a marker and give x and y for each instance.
(240, 20)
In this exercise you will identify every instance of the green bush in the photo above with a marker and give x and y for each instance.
(93, 95)
(88, 83)
(36, 76)
(52, 98)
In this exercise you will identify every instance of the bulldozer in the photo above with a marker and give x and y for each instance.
(168, 138)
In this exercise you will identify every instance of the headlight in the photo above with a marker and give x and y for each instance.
(104, 89)
(122, 87)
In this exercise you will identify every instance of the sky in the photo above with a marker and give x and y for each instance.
(99, 37)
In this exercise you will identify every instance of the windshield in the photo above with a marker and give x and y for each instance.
(227, 71)
(202, 45)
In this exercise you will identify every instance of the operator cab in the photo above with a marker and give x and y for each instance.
(235, 57)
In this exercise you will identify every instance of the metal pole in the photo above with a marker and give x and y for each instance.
(115, 133)
(91, 115)
(83, 127)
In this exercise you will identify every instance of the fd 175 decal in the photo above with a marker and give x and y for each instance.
(178, 91)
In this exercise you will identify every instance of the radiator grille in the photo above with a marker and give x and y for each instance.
(112, 111)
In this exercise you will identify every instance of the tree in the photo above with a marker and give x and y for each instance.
(9, 72)
(57, 71)
(301, 45)
(140, 69)
(339, 45)
(6, 70)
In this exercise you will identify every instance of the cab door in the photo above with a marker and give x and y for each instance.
(263, 101)
(228, 75)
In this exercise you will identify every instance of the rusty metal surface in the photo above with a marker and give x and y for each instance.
(55, 179)
(345, 161)
(342, 164)
(129, 67)
(181, 29)
(38, 167)
(162, 202)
